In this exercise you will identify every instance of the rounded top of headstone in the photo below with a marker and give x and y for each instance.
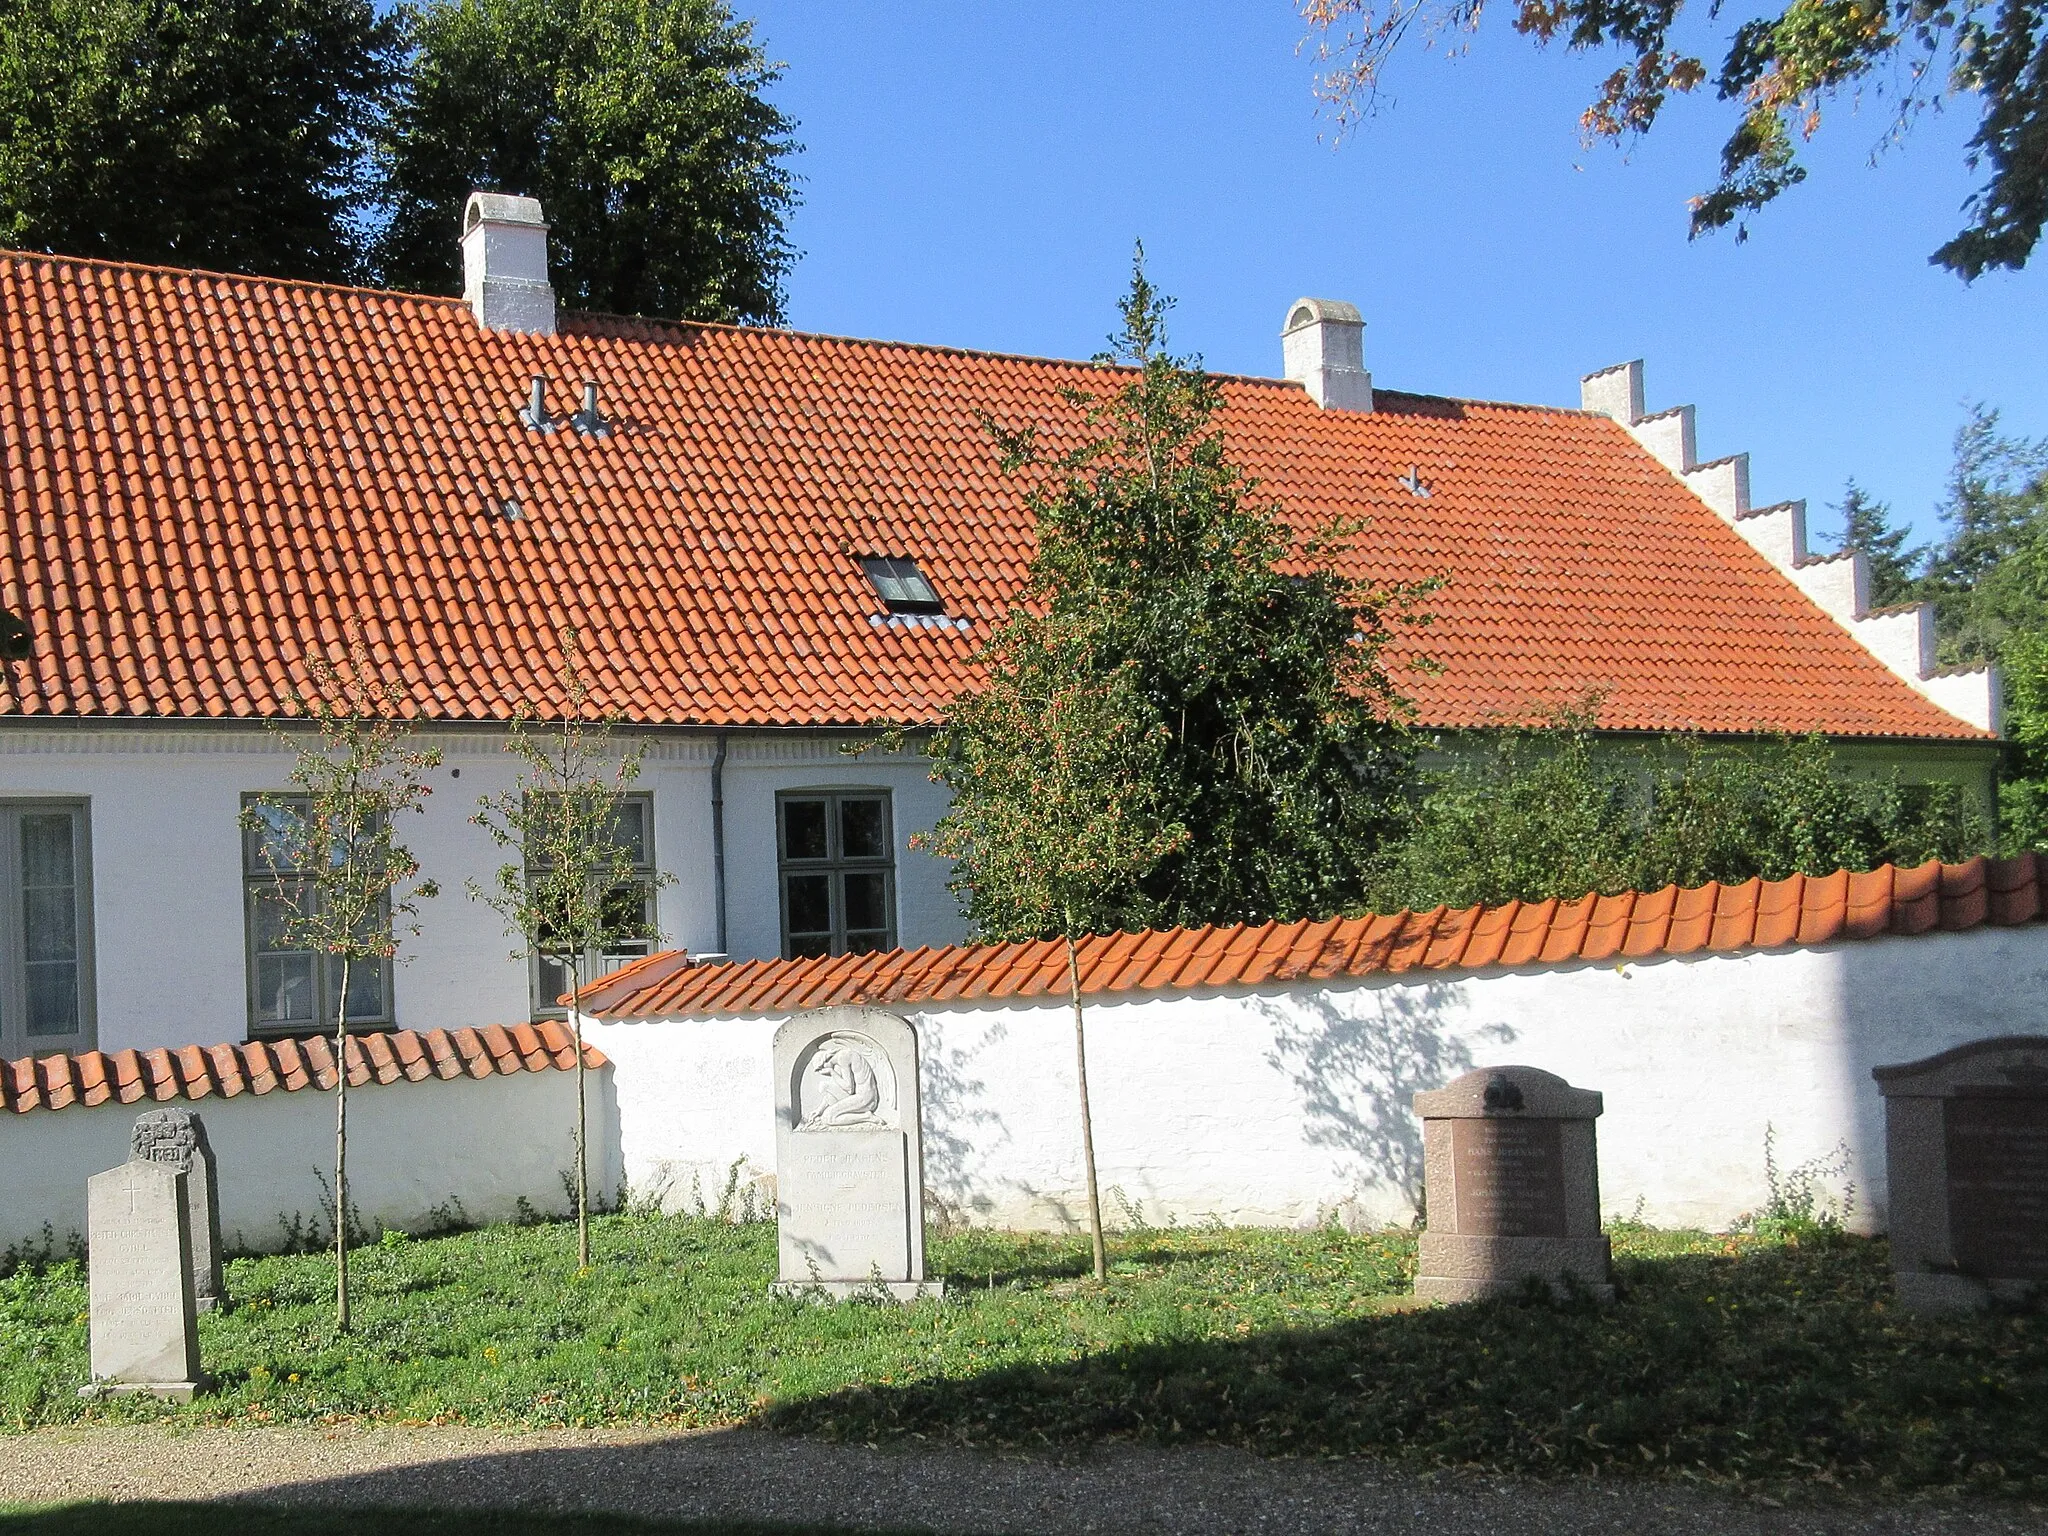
(2007, 1062)
(1527, 1093)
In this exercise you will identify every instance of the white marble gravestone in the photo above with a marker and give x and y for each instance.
(849, 1154)
(145, 1327)
(177, 1139)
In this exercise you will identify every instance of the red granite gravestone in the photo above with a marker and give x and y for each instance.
(1966, 1169)
(1512, 1186)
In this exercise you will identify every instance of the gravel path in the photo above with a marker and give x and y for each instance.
(766, 1477)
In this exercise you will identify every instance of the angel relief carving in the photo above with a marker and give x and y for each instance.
(846, 1083)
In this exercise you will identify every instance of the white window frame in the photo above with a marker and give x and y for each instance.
(15, 1040)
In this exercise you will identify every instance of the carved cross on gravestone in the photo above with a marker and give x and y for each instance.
(145, 1328)
(177, 1139)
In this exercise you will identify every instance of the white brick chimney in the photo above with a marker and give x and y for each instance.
(1323, 344)
(505, 264)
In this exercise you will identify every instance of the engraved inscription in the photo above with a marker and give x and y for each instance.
(140, 1278)
(1510, 1177)
(849, 1219)
(1998, 1184)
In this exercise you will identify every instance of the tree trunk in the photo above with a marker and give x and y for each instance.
(582, 1117)
(1087, 1125)
(341, 1155)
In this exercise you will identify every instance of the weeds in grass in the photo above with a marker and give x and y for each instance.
(35, 1256)
(1797, 1201)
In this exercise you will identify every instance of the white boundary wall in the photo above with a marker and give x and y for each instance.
(474, 1146)
(1290, 1104)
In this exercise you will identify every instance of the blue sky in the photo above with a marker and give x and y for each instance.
(975, 175)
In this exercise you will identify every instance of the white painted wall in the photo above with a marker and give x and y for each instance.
(167, 876)
(474, 1146)
(1288, 1105)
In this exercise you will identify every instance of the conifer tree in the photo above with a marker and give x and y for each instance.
(1867, 525)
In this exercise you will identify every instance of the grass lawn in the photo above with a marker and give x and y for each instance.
(1754, 1359)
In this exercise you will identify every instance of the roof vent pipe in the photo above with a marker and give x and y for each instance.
(535, 414)
(505, 264)
(590, 421)
(1323, 344)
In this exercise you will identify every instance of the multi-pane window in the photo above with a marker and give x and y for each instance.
(838, 872)
(45, 928)
(294, 989)
(629, 914)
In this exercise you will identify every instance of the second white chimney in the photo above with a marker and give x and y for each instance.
(505, 264)
(1323, 345)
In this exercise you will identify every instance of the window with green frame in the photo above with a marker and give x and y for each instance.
(46, 981)
(292, 990)
(629, 914)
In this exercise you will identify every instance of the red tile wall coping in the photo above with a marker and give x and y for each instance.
(1636, 925)
(204, 477)
(286, 1066)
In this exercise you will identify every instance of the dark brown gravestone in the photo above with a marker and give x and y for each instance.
(1966, 1169)
(1512, 1184)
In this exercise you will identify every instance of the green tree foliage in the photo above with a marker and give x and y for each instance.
(1535, 814)
(1988, 580)
(1059, 803)
(2023, 794)
(1252, 667)
(205, 133)
(342, 884)
(573, 889)
(641, 126)
(1867, 525)
(1779, 70)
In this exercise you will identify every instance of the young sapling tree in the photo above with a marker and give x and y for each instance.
(343, 890)
(1056, 817)
(577, 886)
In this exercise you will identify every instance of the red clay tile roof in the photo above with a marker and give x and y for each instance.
(1804, 910)
(207, 475)
(266, 1066)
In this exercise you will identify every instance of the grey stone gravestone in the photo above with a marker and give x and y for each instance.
(1511, 1180)
(177, 1139)
(849, 1154)
(145, 1325)
(1966, 1169)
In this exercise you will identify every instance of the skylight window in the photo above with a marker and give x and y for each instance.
(901, 585)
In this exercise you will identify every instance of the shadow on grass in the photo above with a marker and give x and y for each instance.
(1055, 1266)
(165, 1519)
(1775, 1364)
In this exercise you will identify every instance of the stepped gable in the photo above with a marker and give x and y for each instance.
(206, 475)
(196, 1072)
(1637, 925)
